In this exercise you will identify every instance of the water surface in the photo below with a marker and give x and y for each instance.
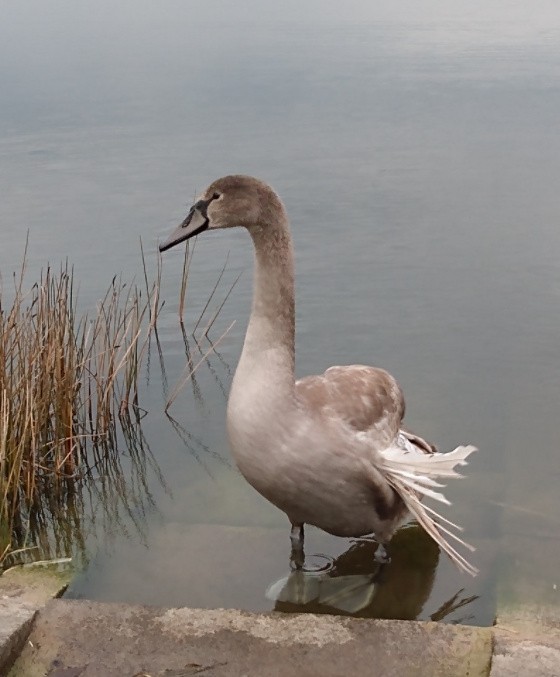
(417, 151)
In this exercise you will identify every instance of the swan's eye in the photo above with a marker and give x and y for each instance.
(216, 196)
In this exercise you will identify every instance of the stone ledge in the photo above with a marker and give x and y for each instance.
(100, 639)
(23, 591)
(93, 638)
(527, 642)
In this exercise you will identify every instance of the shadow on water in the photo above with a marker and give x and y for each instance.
(356, 585)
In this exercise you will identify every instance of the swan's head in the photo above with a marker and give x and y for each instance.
(228, 202)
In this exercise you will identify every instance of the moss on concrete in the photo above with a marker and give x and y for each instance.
(92, 638)
(23, 591)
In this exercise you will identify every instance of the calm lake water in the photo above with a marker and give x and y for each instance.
(417, 148)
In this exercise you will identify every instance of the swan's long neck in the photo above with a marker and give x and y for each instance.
(268, 351)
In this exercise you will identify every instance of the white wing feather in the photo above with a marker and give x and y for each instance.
(412, 473)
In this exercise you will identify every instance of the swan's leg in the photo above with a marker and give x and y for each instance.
(382, 553)
(297, 557)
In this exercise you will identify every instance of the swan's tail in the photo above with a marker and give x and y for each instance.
(413, 474)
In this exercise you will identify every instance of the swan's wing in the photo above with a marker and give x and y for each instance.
(367, 399)
(370, 402)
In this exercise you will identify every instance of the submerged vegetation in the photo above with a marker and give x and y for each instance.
(70, 407)
(68, 389)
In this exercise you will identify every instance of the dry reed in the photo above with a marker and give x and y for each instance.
(69, 401)
(67, 383)
(190, 368)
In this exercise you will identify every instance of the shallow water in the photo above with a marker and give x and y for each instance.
(417, 151)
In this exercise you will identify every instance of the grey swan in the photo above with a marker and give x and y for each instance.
(329, 450)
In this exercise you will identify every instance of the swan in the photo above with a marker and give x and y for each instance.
(328, 450)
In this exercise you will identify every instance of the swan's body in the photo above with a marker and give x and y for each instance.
(327, 450)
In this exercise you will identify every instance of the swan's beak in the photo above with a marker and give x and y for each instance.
(196, 222)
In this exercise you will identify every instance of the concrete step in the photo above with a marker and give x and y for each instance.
(23, 591)
(95, 639)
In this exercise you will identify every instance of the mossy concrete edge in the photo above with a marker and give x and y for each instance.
(23, 591)
(97, 638)
(527, 641)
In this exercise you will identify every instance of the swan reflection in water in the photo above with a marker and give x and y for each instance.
(354, 584)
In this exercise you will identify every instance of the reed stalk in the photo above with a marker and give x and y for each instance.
(69, 402)
(67, 382)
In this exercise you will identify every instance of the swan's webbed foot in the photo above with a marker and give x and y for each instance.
(297, 556)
